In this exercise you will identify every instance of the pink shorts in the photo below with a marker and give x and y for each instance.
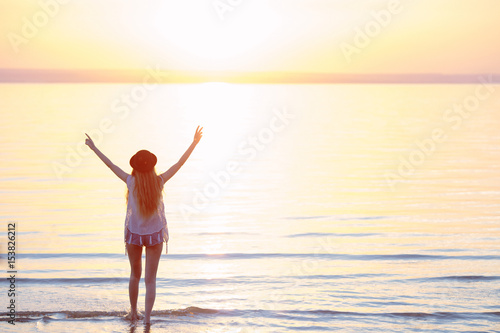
(144, 240)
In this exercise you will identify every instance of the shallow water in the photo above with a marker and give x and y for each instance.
(343, 215)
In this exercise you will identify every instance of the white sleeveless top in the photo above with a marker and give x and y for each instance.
(139, 225)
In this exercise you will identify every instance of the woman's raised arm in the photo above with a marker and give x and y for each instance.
(174, 168)
(117, 171)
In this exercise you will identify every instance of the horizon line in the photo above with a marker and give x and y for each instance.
(256, 77)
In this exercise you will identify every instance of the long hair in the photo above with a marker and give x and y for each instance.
(147, 191)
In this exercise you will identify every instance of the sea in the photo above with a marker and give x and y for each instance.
(304, 208)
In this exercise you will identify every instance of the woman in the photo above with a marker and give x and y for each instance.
(145, 222)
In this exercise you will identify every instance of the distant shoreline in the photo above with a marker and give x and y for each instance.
(165, 77)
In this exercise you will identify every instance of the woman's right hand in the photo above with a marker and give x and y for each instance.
(89, 142)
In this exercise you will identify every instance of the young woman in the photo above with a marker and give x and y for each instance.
(145, 222)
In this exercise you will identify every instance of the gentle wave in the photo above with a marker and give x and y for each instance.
(248, 256)
(244, 279)
(229, 233)
(329, 234)
(93, 280)
(338, 276)
(125, 280)
(188, 282)
(465, 278)
(442, 315)
(25, 316)
(323, 315)
(334, 217)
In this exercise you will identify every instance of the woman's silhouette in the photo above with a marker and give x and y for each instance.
(145, 222)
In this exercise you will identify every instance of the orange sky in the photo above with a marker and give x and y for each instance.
(417, 36)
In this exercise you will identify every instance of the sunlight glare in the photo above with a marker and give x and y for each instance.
(222, 109)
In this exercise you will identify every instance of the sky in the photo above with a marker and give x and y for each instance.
(320, 36)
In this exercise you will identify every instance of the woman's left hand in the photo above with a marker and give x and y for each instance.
(198, 134)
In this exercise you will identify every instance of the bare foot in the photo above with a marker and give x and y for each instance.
(134, 316)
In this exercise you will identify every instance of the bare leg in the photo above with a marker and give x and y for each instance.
(153, 254)
(135, 258)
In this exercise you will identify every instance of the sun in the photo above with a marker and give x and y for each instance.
(204, 40)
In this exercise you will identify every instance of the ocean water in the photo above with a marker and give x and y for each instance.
(305, 208)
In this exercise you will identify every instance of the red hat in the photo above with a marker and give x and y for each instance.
(143, 161)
